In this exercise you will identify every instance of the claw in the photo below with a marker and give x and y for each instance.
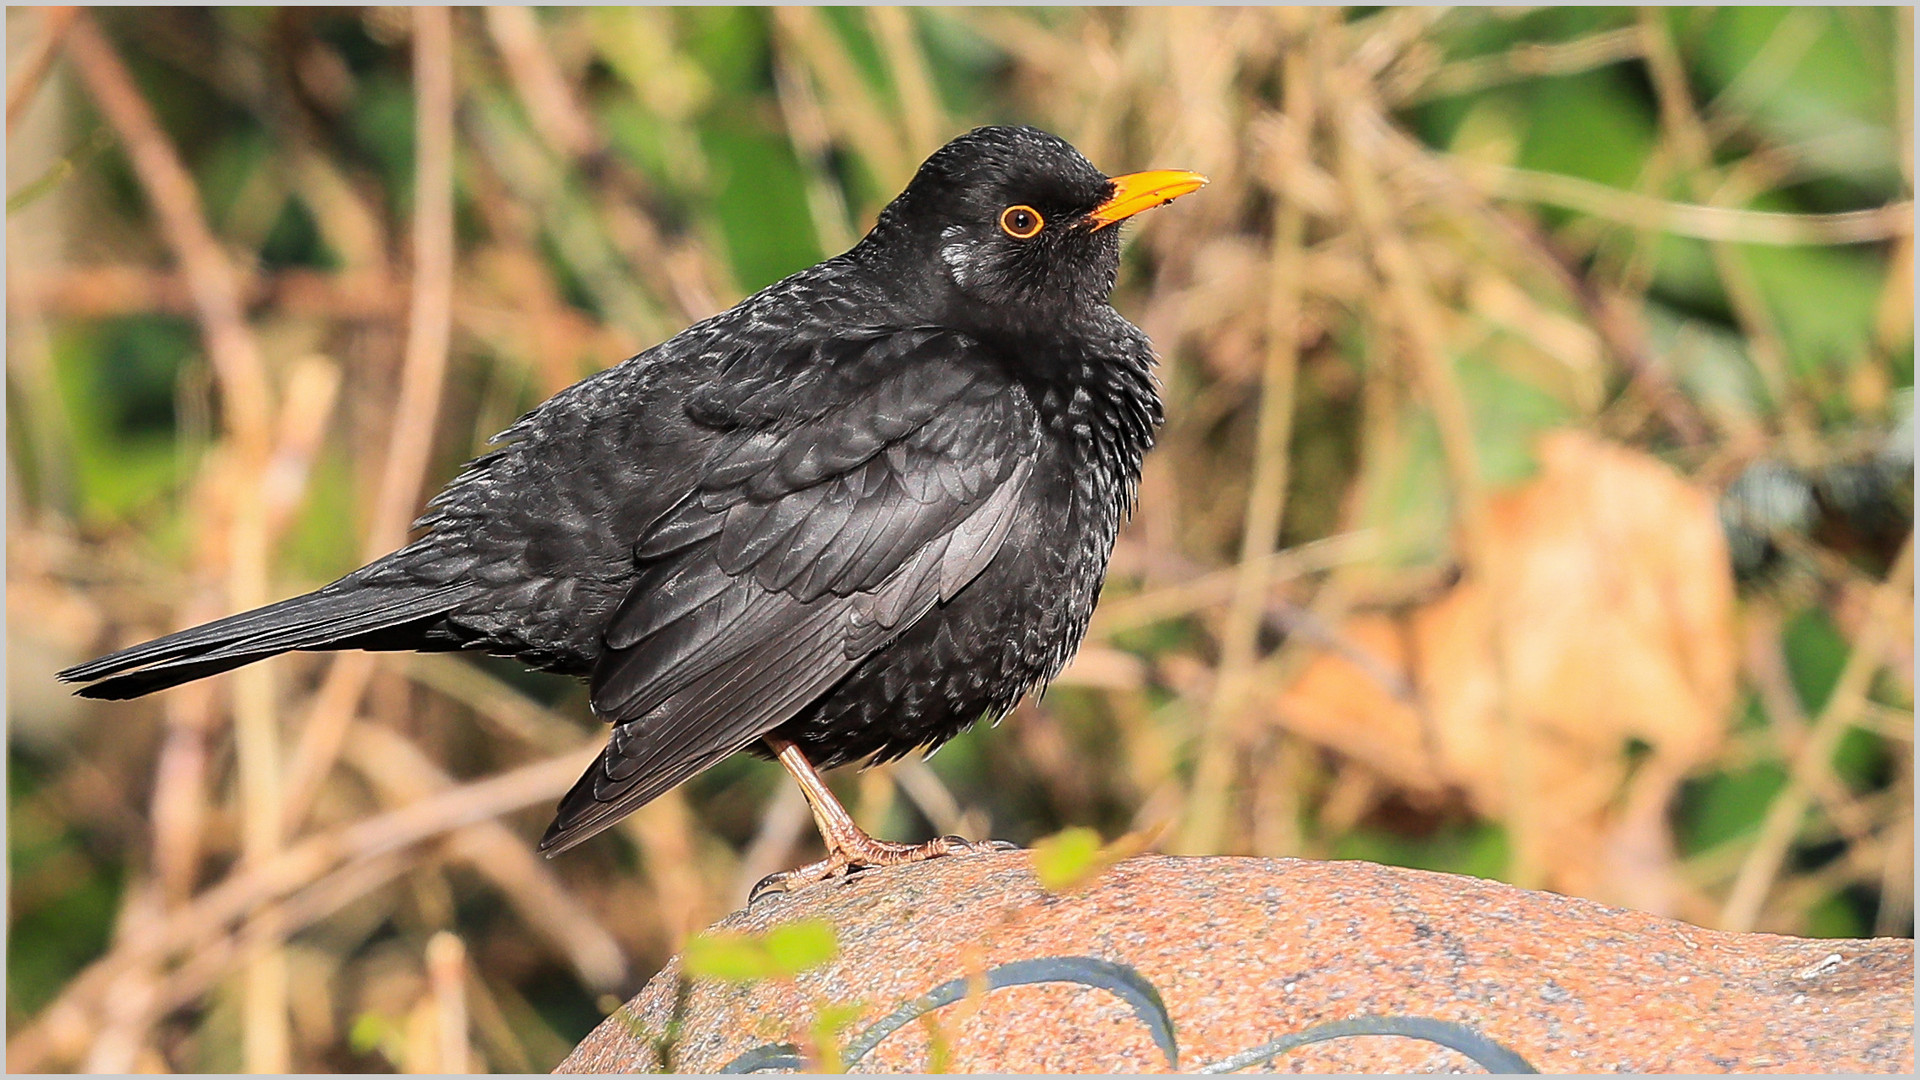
(849, 849)
(769, 884)
(870, 855)
(787, 881)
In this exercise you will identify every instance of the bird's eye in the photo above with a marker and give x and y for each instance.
(1021, 222)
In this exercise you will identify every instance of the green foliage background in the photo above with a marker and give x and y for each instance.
(113, 415)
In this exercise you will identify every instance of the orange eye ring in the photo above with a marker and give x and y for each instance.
(1021, 222)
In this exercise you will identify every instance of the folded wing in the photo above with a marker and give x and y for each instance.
(837, 507)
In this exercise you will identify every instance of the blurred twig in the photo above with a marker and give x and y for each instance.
(410, 443)
(783, 822)
(1797, 31)
(108, 291)
(38, 61)
(1123, 613)
(1719, 224)
(562, 120)
(664, 830)
(1222, 738)
(447, 982)
(507, 1052)
(931, 796)
(1815, 758)
(179, 806)
(670, 842)
(919, 104)
(1687, 134)
(429, 320)
(848, 102)
(248, 411)
(1766, 666)
(1619, 325)
(31, 384)
(807, 130)
(176, 204)
(1529, 60)
(1418, 323)
(1895, 914)
(404, 775)
(498, 703)
(179, 801)
(558, 115)
(529, 172)
(211, 913)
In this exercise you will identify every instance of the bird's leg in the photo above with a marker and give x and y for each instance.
(849, 847)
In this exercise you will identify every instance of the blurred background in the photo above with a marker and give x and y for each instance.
(1535, 500)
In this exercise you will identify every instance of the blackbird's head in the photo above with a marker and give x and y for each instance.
(1013, 226)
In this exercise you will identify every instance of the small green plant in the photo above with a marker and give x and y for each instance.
(939, 1045)
(374, 1033)
(779, 953)
(824, 1035)
(1070, 858)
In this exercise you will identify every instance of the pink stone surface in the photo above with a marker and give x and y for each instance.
(1245, 950)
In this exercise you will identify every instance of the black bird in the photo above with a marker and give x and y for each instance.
(866, 507)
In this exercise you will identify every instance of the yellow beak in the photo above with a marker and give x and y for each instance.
(1139, 191)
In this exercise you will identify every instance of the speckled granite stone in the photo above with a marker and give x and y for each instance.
(1244, 950)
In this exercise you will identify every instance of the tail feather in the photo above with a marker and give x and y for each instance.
(338, 616)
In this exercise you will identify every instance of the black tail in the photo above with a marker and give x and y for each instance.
(345, 615)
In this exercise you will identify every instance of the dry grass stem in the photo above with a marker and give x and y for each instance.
(1687, 134)
(812, 145)
(1896, 870)
(447, 980)
(272, 274)
(1417, 321)
(1222, 739)
(926, 122)
(248, 409)
(1719, 224)
(402, 774)
(1119, 614)
(211, 281)
(672, 846)
(854, 115)
(783, 822)
(1814, 761)
(422, 376)
(429, 319)
(540, 84)
(1531, 60)
(32, 71)
(207, 917)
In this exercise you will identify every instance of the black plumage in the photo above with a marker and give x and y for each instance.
(866, 507)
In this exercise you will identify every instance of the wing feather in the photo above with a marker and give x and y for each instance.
(812, 539)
